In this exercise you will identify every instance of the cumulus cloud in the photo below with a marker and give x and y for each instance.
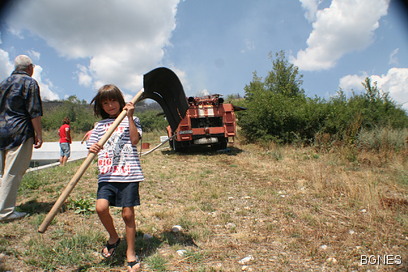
(46, 86)
(394, 83)
(122, 39)
(84, 78)
(344, 27)
(311, 7)
(350, 83)
(6, 67)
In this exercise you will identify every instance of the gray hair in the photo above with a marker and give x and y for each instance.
(22, 62)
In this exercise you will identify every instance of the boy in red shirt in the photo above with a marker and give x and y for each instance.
(64, 133)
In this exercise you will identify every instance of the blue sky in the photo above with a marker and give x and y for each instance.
(214, 46)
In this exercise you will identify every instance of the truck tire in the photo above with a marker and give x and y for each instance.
(222, 144)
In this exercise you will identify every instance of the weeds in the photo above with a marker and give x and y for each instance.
(32, 181)
(157, 263)
(82, 205)
(382, 139)
(193, 257)
(402, 178)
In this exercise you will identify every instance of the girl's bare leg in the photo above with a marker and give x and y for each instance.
(102, 208)
(128, 215)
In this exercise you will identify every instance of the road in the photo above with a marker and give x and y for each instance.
(49, 153)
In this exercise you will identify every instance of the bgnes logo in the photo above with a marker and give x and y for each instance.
(388, 259)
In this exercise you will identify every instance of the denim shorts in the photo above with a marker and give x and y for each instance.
(119, 194)
(65, 150)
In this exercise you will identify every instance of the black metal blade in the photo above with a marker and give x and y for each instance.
(163, 86)
(237, 108)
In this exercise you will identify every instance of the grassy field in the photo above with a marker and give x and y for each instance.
(285, 208)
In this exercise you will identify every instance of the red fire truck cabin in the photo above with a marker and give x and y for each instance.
(208, 122)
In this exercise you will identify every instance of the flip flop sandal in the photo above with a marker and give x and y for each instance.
(134, 263)
(109, 247)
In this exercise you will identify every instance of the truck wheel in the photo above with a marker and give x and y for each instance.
(223, 142)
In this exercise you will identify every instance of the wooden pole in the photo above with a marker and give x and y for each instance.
(71, 185)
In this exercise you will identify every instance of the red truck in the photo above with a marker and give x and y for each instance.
(208, 122)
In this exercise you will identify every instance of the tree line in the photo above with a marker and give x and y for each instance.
(278, 109)
(83, 119)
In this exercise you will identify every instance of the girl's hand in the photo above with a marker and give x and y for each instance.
(130, 108)
(95, 148)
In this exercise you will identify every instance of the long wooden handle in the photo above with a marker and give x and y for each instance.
(71, 185)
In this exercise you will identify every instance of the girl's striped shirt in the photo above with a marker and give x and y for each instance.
(118, 161)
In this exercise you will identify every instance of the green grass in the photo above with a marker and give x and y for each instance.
(157, 263)
(73, 250)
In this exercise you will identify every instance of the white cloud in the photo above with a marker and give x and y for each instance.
(352, 82)
(35, 56)
(6, 67)
(393, 57)
(122, 39)
(344, 27)
(203, 92)
(395, 83)
(182, 76)
(45, 85)
(310, 7)
(84, 78)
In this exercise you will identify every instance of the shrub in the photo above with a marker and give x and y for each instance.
(383, 139)
(278, 110)
(152, 120)
(79, 112)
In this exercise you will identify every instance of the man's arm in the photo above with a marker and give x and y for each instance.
(37, 131)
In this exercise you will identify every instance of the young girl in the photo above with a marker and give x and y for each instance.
(119, 168)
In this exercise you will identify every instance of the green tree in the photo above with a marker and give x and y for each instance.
(370, 110)
(278, 110)
(78, 111)
(152, 120)
(284, 77)
(275, 106)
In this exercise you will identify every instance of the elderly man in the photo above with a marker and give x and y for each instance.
(20, 129)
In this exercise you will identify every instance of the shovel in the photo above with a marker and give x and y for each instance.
(161, 85)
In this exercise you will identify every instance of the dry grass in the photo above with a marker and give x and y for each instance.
(292, 209)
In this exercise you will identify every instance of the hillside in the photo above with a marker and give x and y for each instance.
(49, 106)
(291, 209)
